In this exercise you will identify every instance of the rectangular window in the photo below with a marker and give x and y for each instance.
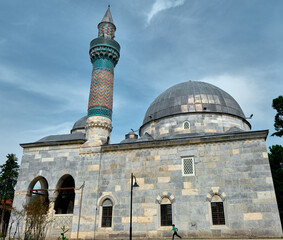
(188, 166)
(106, 216)
(217, 211)
(166, 215)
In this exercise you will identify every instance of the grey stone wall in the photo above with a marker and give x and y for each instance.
(199, 123)
(52, 163)
(236, 170)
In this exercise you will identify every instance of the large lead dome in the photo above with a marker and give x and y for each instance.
(192, 97)
(193, 108)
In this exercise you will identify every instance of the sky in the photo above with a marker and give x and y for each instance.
(45, 71)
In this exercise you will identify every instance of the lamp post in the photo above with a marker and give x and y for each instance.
(131, 206)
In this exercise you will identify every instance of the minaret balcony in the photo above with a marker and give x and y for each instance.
(107, 51)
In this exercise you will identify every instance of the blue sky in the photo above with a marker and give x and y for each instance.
(45, 70)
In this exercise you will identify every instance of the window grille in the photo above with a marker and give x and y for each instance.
(186, 125)
(107, 213)
(166, 214)
(188, 166)
(217, 211)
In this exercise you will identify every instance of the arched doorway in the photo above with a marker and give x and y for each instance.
(64, 203)
(38, 188)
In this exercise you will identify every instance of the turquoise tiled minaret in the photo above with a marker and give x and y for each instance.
(104, 55)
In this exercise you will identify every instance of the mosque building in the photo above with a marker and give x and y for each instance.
(196, 161)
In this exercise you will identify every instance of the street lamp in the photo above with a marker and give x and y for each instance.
(131, 207)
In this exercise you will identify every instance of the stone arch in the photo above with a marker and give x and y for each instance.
(216, 198)
(165, 208)
(65, 195)
(168, 195)
(37, 187)
(105, 197)
(106, 206)
(215, 191)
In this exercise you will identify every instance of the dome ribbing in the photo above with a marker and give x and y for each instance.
(192, 97)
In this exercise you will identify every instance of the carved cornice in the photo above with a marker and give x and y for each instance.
(103, 125)
(187, 140)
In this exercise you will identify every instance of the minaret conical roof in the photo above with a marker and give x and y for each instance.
(108, 16)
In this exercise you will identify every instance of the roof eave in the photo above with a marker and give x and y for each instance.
(223, 137)
(52, 143)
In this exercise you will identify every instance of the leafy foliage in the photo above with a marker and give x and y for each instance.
(277, 104)
(36, 218)
(64, 230)
(8, 179)
(276, 155)
(276, 164)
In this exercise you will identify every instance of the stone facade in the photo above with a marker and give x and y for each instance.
(212, 162)
(236, 168)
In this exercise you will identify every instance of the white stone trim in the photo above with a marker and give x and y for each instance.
(216, 191)
(99, 209)
(158, 202)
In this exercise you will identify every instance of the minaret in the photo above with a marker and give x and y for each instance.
(104, 55)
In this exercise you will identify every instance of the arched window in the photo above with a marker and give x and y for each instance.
(38, 188)
(64, 203)
(186, 125)
(217, 211)
(166, 212)
(107, 208)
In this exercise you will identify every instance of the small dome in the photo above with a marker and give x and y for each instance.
(192, 97)
(80, 124)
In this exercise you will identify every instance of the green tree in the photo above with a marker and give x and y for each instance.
(276, 165)
(276, 155)
(277, 104)
(8, 179)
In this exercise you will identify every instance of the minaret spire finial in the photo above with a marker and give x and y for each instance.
(108, 16)
(106, 27)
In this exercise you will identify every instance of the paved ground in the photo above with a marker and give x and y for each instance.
(221, 238)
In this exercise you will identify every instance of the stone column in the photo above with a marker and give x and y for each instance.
(51, 213)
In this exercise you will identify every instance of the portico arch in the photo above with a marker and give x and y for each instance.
(37, 187)
(65, 195)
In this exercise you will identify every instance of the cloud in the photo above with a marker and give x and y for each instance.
(63, 128)
(254, 97)
(73, 95)
(251, 96)
(245, 90)
(161, 5)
